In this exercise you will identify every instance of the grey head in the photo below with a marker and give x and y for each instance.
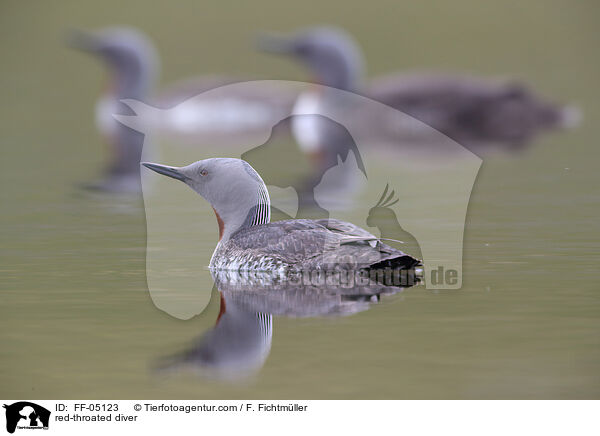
(233, 188)
(331, 54)
(129, 55)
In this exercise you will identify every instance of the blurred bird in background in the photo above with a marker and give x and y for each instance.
(133, 69)
(133, 66)
(477, 113)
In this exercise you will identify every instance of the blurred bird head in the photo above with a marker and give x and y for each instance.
(330, 53)
(129, 55)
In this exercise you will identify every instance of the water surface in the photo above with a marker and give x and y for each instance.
(78, 322)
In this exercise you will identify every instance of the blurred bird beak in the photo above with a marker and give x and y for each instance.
(81, 40)
(275, 44)
(165, 170)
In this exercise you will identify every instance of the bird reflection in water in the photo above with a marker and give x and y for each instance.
(238, 345)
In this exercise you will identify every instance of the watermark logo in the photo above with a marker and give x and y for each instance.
(323, 160)
(24, 415)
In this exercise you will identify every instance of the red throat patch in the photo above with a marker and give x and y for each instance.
(222, 309)
(316, 86)
(221, 224)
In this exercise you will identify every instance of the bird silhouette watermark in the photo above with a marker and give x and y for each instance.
(383, 217)
(421, 184)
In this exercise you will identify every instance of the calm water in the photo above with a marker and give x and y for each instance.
(76, 317)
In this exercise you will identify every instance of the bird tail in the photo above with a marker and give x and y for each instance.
(398, 271)
(403, 261)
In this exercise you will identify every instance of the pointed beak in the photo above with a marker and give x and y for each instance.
(83, 41)
(165, 170)
(275, 44)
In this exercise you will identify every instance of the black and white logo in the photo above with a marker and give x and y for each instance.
(26, 415)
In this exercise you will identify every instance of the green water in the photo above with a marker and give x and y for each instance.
(76, 317)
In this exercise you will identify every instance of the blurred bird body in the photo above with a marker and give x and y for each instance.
(476, 113)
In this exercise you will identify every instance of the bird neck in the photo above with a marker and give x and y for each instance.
(343, 70)
(131, 85)
(133, 78)
(252, 209)
(341, 77)
(260, 213)
(240, 341)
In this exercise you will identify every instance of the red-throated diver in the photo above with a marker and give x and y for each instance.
(133, 63)
(475, 112)
(249, 241)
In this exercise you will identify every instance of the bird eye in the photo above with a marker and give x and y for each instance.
(203, 172)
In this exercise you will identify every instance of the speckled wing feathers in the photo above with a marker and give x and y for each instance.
(304, 244)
